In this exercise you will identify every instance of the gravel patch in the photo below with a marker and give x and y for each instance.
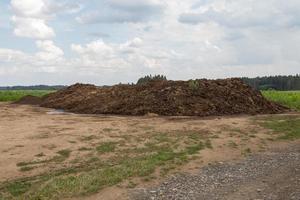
(273, 175)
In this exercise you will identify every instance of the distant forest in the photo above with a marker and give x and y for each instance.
(35, 87)
(283, 83)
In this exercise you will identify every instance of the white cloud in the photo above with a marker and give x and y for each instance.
(244, 13)
(30, 19)
(48, 59)
(101, 55)
(49, 51)
(182, 39)
(32, 28)
(121, 11)
(28, 8)
(31, 16)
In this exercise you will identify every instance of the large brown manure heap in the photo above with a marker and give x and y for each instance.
(170, 98)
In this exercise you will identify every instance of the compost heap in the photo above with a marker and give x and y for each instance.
(169, 98)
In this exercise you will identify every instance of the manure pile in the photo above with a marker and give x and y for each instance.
(169, 98)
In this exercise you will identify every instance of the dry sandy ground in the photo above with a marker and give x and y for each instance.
(27, 132)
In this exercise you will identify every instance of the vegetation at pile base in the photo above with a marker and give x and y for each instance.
(108, 164)
(15, 95)
(287, 127)
(290, 99)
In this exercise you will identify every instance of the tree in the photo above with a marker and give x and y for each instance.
(150, 78)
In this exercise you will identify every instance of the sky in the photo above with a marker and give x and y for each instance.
(106, 42)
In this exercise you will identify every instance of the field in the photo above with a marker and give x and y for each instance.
(49, 154)
(14, 95)
(53, 155)
(290, 99)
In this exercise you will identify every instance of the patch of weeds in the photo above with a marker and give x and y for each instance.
(22, 164)
(148, 178)
(72, 142)
(88, 138)
(193, 84)
(165, 169)
(18, 188)
(64, 153)
(288, 127)
(162, 137)
(193, 149)
(208, 144)
(76, 160)
(93, 175)
(108, 130)
(93, 160)
(19, 146)
(26, 168)
(236, 130)
(131, 184)
(214, 137)
(84, 149)
(40, 155)
(232, 144)
(246, 151)
(261, 147)
(194, 136)
(106, 147)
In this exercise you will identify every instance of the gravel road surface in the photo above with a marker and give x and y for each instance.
(273, 175)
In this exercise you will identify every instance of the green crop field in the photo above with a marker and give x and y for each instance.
(14, 95)
(287, 98)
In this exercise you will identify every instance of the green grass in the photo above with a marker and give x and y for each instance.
(106, 147)
(18, 188)
(290, 99)
(159, 152)
(14, 95)
(26, 168)
(288, 127)
(64, 153)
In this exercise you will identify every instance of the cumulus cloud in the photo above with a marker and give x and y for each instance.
(103, 55)
(182, 39)
(48, 59)
(121, 11)
(31, 16)
(48, 51)
(244, 13)
(30, 19)
(32, 28)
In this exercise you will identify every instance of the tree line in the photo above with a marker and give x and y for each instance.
(34, 87)
(283, 83)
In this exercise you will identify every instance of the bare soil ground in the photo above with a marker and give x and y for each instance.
(36, 140)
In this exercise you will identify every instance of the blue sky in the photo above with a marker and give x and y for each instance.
(112, 41)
